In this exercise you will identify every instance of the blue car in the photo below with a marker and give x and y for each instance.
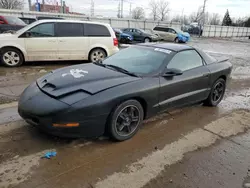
(123, 37)
(182, 36)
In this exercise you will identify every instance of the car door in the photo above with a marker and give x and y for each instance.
(192, 86)
(139, 35)
(172, 34)
(72, 43)
(41, 43)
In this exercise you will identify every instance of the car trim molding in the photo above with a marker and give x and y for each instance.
(181, 96)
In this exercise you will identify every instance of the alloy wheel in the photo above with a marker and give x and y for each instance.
(127, 120)
(218, 92)
(97, 55)
(11, 58)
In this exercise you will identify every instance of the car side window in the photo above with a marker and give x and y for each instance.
(185, 60)
(43, 30)
(171, 31)
(69, 29)
(138, 31)
(95, 30)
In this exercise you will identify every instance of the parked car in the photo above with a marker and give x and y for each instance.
(29, 20)
(116, 95)
(140, 35)
(10, 23)
(123, 37)
(192, 29)
(172, 34)
(52, 40)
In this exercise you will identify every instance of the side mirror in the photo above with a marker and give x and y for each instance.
(2, 22)
(172, 72)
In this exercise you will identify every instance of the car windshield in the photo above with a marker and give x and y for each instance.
(138, 60)
(14, 20)
(178, 30)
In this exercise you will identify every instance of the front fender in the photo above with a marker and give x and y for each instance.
(20, 47)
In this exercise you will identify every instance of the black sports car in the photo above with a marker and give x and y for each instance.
(116, 95)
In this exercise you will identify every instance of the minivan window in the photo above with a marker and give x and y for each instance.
(161, 29)
(43, 30)
(69, 29)
(95, 30)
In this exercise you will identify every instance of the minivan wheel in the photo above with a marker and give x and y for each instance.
(97, 54)
(176, 40)
(11, 57)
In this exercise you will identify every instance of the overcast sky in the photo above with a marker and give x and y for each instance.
(108, 8)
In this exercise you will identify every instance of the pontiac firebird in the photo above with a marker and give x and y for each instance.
(114, 96)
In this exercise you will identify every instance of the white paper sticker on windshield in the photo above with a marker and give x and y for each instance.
(163, 50)
(76, 73)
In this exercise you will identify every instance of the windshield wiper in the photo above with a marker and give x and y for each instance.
(99, 63)
(122, 70)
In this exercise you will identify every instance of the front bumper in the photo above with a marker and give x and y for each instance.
(42, 111)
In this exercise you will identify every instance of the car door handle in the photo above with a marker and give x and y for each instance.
(62, 40)
(52, 40)
(206, 74)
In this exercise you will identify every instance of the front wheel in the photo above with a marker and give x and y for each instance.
(126, 120)
(217, 93)
(176, 40)
(11, 57)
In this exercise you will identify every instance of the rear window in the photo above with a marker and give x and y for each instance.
(69, 29)
(95, 30)
(14, 20)
(208, 59)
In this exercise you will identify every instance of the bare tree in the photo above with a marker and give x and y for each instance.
(177, 18)
(138, 13)
(163, 7)
(214, 19)
(153, 5)
(196, 16)
(11, 4)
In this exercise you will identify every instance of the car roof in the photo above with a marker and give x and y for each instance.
(70, 21)
(168, 46)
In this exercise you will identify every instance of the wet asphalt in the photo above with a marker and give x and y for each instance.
(194, 146)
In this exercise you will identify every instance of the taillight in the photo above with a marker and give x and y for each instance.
(115, 42)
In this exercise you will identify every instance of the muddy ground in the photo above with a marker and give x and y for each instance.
(191, 147)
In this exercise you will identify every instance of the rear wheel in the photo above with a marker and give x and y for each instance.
(97, 54)
(146, 40)
(11, 57)
(217, 93)
(126, 120)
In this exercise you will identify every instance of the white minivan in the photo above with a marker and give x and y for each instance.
(53, 40)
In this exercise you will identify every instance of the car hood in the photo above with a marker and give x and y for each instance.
(89, 78)
(186, 34)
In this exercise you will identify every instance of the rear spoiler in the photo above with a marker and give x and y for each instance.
(222, 60)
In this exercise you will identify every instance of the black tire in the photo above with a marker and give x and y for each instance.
(123, 40)
(116, 121)
(14, 54)
(147, 40)
(210, 101)
(176, 40)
